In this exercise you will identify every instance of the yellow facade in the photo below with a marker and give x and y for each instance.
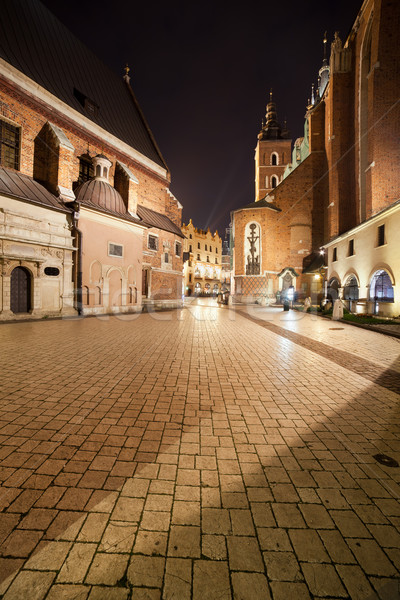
(202, 271)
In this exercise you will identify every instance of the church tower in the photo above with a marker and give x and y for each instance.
(273, 152)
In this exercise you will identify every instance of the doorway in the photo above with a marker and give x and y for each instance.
(20, 300)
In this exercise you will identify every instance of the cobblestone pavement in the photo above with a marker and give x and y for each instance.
(199, 454)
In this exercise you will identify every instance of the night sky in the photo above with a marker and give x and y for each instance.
(202, 74)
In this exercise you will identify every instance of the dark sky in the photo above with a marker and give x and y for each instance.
(202, 74)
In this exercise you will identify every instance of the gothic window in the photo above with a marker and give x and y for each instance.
(350, 291)
(381, 288)
(274, 181)
(252, 248)
(274, 158)
(9, 145)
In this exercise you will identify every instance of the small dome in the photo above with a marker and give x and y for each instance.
(100, 194)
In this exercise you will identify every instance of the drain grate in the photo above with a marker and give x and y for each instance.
(385, 460)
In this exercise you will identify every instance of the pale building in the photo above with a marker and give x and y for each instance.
(202, 270)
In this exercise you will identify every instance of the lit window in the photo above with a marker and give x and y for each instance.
(9, 145)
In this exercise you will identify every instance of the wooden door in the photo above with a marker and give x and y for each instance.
(20, 301)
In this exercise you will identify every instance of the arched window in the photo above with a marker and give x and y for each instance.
(274, 181)
(350, 291)
(381, 288)
(98, 171)
(274, 158)
(98, 295)
(333, 289)
(85, 295)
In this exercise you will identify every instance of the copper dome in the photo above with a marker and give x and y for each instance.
(98, 193)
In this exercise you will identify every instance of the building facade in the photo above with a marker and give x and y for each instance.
(83, 184)
(202, 270)
(327, 229)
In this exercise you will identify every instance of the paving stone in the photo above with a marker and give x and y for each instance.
(349, 524)
(244, 554)
(242, 522)
(93, 527)
(29, 584)
(9, 568)
(211, 580)
(282, 566)
(151, 542)
(184, 541)
(336, 546)
(107, 569)
(48, 556)
(287, 515)
(77, 563)
(323, 580)
(214, 547)
(283, 590)
(316, 516)
(371, 558)
(118, 536)
(308, 546)
(146, 571)
(273, 538)
(216, 520)
(108, 593)
(178, 579)
(68, 592)
(20, 543)
(356, 583)
(247, 586)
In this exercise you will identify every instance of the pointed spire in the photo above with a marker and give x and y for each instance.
(126, 76)
(324, 70)
(312, 95)
(270, 128)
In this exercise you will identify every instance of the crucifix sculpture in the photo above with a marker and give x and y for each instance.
(253, 262)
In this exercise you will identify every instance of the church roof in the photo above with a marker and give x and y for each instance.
(36, 43)
(261, 204)
(151, 218)
(23, 187)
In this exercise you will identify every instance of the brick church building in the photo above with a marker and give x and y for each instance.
(326, 214)
(87, 222)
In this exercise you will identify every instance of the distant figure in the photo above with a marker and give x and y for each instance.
(337, 310)
(307, 303)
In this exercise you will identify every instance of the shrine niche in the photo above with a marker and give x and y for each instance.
(252, 249)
